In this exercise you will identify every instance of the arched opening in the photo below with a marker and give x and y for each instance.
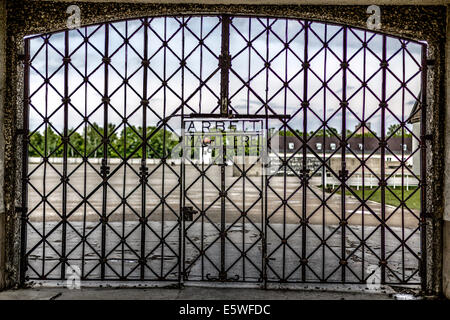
(221, 148)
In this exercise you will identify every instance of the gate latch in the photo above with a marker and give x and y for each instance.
(188, 213)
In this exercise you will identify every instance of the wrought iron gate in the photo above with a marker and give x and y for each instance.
(223, 148)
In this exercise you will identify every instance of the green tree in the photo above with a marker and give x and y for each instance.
(75, 148)
(162, 142)
(93, 139)
(36, 146)
(129, 141)
(393, 127)
(112, 141)
(54, 143)
(123, 144)
(366, 134)
(328, 132)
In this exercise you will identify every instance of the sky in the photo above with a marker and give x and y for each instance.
(202, 63)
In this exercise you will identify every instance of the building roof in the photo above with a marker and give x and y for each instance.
(415, 115)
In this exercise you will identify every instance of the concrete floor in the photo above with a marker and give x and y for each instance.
(188, 293)
(202, 248)
(200, 193)
(124, 259)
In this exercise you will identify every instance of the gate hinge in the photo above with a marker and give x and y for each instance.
(21, 209)
(24, 58)
(21, 131)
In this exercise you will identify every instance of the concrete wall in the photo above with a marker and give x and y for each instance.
(2, 140)
(281, 2)
(446, 264)
(446, 237)
(422, 23)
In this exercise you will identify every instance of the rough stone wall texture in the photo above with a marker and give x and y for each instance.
(446, 238)
(447, 169)
(13, 85)
(446, 263)
(420, 23)
(416, 22)
(284, 2)
(2, 140)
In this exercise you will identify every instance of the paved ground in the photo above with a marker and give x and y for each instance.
(202, 193)
(203, 250)
(189, 293)
(283, 262)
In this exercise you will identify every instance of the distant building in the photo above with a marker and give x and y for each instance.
(358, 148)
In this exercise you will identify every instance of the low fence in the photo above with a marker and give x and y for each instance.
(137, 161)
(369, 180)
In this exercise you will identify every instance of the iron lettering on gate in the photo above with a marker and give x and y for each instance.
(206, 138)
(220, 148)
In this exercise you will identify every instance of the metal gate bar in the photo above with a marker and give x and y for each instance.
(279, 86)
(423, 169)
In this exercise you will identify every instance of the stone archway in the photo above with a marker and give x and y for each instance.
(411, 24)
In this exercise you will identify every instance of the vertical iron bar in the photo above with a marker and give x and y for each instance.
(284, 150)
(46, 154)
(403, 159)
(363, 118)
(105, 156)
(83, 250)
(183, 166)
(164, 126)
(25, 126)
(65, 145)
(203, 162)
(383, 152)
(266, 164)
(423, 171)
(222, 275)
(183, 192)
(200, 91)
(243, 148)
(225, 65)
(324, 169)
(125, 76)
(344, 146)
(143, 170)
(180, 180)
(202, 243)
(225, 69)
(305, 138)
